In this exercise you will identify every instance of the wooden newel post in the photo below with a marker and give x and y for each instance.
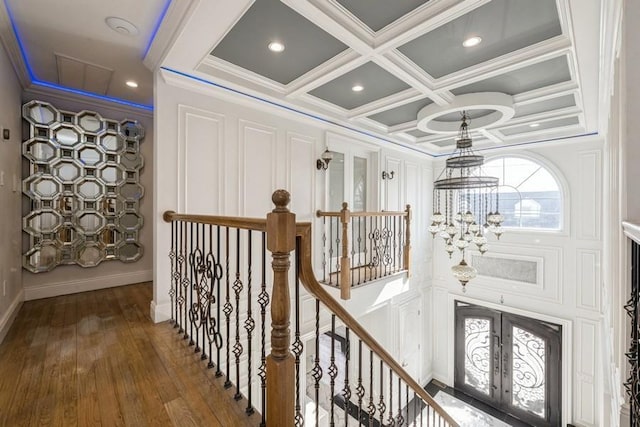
(345, 261)
(407, 241)
(281, 240)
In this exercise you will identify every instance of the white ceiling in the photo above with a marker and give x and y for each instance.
(68, 43)
(544, 55)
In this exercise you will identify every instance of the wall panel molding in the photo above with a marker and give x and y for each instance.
(589, 279)
(589, 195)
(254, 136)
(192, 162)
(586, 404)
(301, 174)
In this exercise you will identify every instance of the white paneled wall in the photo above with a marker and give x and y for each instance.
(218, 153)
(569, 278)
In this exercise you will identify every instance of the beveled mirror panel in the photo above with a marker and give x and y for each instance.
(83, 185)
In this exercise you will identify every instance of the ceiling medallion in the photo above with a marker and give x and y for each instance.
(491, 109)
(465, 204)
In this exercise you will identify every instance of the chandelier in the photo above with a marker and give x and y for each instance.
(465, 204)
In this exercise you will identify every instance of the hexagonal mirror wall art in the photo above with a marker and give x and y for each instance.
(82, 188)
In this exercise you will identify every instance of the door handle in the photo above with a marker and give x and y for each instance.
(505, 369)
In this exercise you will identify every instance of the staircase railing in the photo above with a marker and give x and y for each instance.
(360, 247)
(217, 305)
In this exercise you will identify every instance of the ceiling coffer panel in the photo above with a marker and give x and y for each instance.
(402, 114)
(551, 104)
(505, 26)
(377, 14)
(522, 80)
(558, 123)
(375, 81)
(266, 21)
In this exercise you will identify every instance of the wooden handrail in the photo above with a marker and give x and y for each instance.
(321, 214)
(257, 224)
(311, 284)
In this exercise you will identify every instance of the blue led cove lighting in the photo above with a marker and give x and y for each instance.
(38, 82)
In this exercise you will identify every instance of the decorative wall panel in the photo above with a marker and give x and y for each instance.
(83, 188)
(508, 269)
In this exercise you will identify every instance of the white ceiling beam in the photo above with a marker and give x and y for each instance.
(529, 55)
(403, 69)
(490, 135)
(386, 103)
(324, 73)
(545, 93)
(228, 67)
(403, 127)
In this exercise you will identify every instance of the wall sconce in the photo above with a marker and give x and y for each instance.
(323, 162)
(388, 175)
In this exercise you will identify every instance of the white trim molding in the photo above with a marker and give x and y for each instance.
(84, 285)
(9, 316)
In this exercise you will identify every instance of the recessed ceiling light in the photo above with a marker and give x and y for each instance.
(131, 83)
(534, 125)
(472, 41)
(276, 47)
(357, 88)
(122, 26)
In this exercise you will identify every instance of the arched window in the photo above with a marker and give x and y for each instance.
(530, 196)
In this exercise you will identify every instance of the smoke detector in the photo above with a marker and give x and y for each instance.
(122, 26)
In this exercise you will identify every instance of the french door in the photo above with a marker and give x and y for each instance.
(509, 362)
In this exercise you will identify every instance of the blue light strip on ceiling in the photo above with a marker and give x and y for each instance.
(157, 27)
(36, 81)
(303, 113)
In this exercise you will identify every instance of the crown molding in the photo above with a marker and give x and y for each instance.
(12, 46)
(172, 24)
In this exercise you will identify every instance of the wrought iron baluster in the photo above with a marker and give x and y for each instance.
(263, 299)
(180, 259)
(172, 259)
(297, 346)
(185, 282)
(324, 250)
(316, 373)
(399, 417)
(390, 419)
(237, 289)
(228, 309)
(382, 407)
(416, 407)
(372, 406)
(360, 248)
(249, 324)
(333, 370)
(360, 391)
(346, 391)
(406, 399)
(338, 250)
(218, 340)
(330, 250)
(353, 250)
(186, 335)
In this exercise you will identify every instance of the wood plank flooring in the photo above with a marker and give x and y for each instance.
(96, 359)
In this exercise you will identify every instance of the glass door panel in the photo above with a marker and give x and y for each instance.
(510, 362)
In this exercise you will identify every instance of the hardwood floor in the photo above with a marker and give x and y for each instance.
(96, 359)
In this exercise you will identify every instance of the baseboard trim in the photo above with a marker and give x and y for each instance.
(160, 312)
(10, 315)
(84, 285)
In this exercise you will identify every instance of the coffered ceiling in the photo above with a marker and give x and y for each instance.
(536, 75)
(533, 76)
